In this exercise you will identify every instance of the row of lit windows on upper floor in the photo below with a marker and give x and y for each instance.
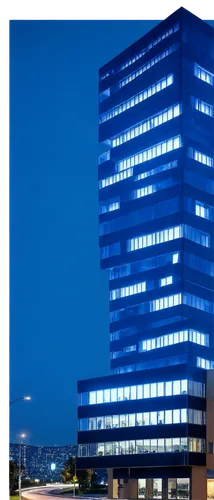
(176, 416)
(149, 212)
(191, 260)
(204, 74)
(156, 170)
(144, 286)
(136, 99)
(156, 120)
(156, 210)
(140, 54)
(144, 265)
(203, 106)
(160, 149)
(169, 234)
(206, 364)
(163, 445)
(127, 332)
(143, 391)
(148, 124)
(178, 359)
(106, 93)
(159, 119)
(132, 330)
(110, 205)
(162, 303)
(108, 181)
(163, 236)
(114, 203)
(148, 65)
(202, 210)
(150, 153)
(199, 72)
(164, 341)
(175, 338)
(126, 291)
(150, 46)
(126, 171)
(200, 157)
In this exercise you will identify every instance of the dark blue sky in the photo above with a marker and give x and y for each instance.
(58, 294)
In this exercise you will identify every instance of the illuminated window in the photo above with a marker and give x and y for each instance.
(150, 46)
(159, 445)
(203, 107)
(169, 234)
(179, 488)
(127, 290)
(206, 364)
(136, 99)
(201, 158)
(157, 170)
(166, 281)
(148, 154)
(201, 210)
(146, 125)
(204, 75)
(115, 178)
(109, 207)
(148, 65)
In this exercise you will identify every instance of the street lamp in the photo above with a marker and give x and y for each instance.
(22, 436)
(75, 477)
(26, 398)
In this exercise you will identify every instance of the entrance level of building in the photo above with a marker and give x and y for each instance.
(161, 484)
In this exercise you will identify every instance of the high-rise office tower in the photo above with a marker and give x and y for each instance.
(151, 422)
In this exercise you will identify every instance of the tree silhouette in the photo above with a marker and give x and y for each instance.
(13, 475)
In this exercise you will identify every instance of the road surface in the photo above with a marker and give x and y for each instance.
(47, 493)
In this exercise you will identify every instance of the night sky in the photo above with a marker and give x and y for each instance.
(58, 294)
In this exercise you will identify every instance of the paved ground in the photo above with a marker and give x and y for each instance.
(48, 494)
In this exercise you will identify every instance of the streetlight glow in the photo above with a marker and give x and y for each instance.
(22, 436)
(26, 398)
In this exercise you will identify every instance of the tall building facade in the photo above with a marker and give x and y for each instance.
(151, 422)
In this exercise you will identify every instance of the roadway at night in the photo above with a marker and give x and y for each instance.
(47, 493)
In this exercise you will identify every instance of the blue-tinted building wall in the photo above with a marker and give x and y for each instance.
(156, 191)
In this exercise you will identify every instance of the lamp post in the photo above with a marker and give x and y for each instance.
(26, 398)
(74, 478)
(20, 465)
